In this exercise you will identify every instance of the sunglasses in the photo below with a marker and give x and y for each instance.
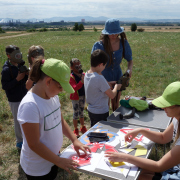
(78, 66)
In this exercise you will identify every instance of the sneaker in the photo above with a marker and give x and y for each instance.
(19, 145)
(83, 129)
(76, 132)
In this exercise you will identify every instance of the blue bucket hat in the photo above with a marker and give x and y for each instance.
(112, 26)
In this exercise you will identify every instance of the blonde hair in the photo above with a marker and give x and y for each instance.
(35, 51)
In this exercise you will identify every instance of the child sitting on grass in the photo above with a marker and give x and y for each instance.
(78, 97)
(97, 89)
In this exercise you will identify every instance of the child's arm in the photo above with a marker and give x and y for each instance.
(68, 133)
(158, 137)
(29, 84)
(7, 81)
(169, 160)
(75, 86)
(33, 140)
(112, 93)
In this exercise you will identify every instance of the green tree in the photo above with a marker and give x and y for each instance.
(95, 29)
(1, 31)
(81, 27)
(133, 27)
(75, 28)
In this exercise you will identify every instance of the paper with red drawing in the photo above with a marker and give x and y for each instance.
(87, 162)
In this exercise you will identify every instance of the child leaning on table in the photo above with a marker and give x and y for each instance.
(33, 53)
(42, 123)
(78, 97)
(166, 167)
(97, 89)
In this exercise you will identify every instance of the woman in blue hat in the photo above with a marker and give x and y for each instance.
(167, 168)
(115, 44)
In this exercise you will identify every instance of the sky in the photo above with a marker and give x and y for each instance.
(40, 9)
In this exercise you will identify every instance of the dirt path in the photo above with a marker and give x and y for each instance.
(7, 37)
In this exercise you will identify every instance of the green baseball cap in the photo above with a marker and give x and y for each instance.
(170, 96)
(59, 71)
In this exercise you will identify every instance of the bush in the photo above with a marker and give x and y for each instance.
(95, 29)
(133, 27)
(31, 30)
(1, 31)
(43, 30)
(141, 30)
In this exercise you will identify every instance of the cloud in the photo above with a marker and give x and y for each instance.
(116, 8)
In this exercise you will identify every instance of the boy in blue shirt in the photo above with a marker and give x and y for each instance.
(97, 89)
(13, 82)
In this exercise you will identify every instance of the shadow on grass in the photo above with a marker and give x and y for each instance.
(64, 175)
(22, 175)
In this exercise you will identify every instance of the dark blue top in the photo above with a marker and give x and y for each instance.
(114, 72)
(81, 91)
(15, 90)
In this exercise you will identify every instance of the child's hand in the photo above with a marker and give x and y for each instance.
(67, 164)
(115, 157)
(131, 135)
(79, 146)
(119, 86)
(111, 84)
(20, 76)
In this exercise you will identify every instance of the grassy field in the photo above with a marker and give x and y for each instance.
(156, 64)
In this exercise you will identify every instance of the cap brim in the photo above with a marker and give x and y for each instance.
(67, 87)
(161, 102)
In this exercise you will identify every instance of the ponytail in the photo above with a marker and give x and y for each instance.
(35, 73)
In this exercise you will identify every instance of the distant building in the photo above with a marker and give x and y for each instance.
(82, 20)
(29, 22)
(41, 21)
(62, 21)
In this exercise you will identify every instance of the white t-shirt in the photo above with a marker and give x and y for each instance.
(175, 123)
(95, 86)
(46, 112)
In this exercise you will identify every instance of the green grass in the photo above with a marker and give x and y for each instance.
(156, 64)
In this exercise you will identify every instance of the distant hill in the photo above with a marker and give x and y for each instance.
(87, 19)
